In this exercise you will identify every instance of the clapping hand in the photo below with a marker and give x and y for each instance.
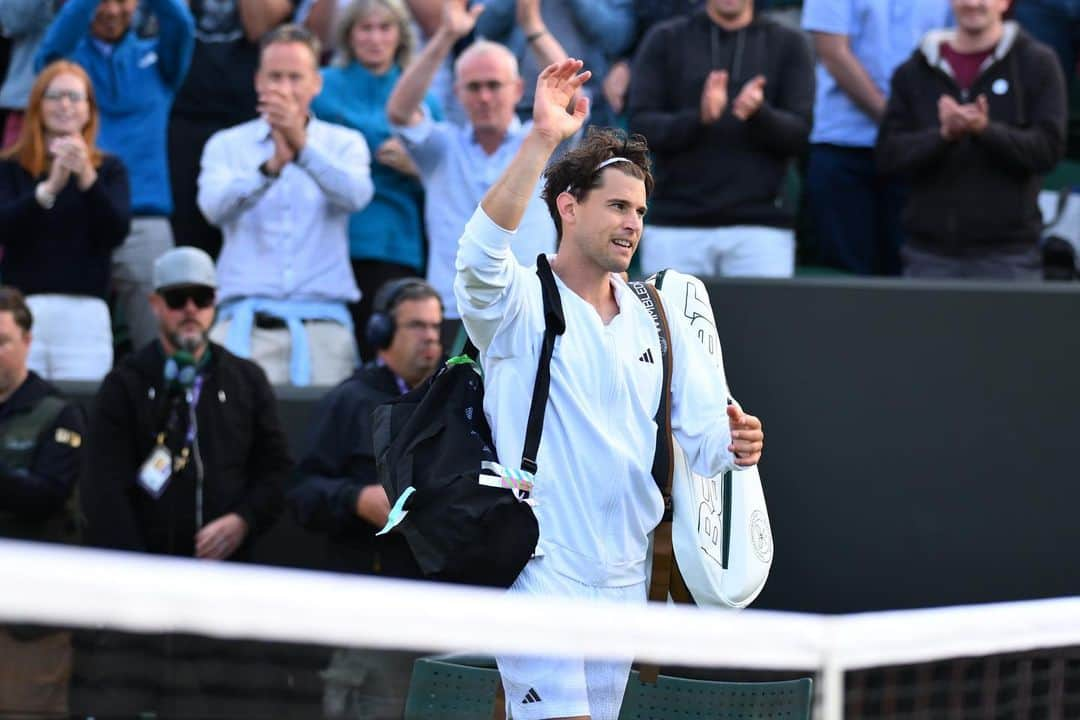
(559, 109)
(750, 98)
(957, 120)
(977, 114)
(288, 126)
(59, 171)
(71, 157)
(714, 96)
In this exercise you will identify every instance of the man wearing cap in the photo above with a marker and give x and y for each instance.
(186, 454)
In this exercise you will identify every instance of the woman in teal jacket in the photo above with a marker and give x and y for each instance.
(386, 240)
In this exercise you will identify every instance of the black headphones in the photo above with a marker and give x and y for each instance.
(380, 329)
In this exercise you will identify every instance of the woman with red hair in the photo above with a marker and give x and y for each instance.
(64, 206)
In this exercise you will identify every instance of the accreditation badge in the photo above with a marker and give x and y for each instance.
(156, 471)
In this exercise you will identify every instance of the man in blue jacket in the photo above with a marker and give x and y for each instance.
(135, 81)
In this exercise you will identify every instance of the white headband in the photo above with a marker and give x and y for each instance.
(601, 166)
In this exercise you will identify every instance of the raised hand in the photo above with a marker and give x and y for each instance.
(750, 98)
(559, 109)
(458, 19)
(714, 96)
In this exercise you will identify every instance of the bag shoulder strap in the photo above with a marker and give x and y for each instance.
(665, 577)
(554, 324)
(663, 468)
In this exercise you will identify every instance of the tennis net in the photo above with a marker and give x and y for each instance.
(293, 634)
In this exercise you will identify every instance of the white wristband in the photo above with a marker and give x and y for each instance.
(44, 198)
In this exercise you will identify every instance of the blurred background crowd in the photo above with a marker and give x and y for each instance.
(131, 126)
(203, 199)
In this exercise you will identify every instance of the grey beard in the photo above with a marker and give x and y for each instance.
(188, 343)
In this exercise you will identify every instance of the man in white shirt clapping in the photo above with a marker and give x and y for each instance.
(281, 188)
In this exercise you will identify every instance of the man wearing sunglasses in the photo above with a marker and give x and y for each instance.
(187, 454)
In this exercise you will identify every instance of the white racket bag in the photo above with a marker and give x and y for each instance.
(720, 532)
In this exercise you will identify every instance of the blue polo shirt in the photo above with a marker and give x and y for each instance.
(883, 34)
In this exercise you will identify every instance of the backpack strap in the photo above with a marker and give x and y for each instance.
(554, 324)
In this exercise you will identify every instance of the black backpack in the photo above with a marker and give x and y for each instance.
(465, 520)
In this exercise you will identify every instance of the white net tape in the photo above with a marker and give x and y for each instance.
(89, 588)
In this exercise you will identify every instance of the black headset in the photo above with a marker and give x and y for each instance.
(380, 329)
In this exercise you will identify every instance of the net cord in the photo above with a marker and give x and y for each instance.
(81, 587)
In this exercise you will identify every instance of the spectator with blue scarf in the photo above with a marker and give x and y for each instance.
(281, 188)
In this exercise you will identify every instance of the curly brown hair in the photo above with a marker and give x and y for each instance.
(578, 171)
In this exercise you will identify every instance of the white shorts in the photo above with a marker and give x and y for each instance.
(548, 687)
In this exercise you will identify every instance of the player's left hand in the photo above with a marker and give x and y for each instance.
(747, 438)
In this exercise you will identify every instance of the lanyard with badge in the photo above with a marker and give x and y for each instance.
(160, 466)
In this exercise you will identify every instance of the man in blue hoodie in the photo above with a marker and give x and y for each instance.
(135, 81)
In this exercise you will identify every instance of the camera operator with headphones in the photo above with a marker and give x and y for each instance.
(339, 496)
(186, 453)
(338, 493)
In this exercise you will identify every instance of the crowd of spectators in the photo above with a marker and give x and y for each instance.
(763, 134)
(319, 160)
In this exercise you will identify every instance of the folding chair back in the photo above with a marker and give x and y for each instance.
(674, 698)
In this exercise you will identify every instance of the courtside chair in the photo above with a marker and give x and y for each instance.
(674, 698)
(463, 687)
(452, 687)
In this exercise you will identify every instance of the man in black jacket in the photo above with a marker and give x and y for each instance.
(338, 493)
(186, 454)
(40, 446)
(975, 118)
(724, 99)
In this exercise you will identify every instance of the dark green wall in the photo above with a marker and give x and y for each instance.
(921, 440)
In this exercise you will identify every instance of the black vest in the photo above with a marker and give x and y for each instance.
(20, 438)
